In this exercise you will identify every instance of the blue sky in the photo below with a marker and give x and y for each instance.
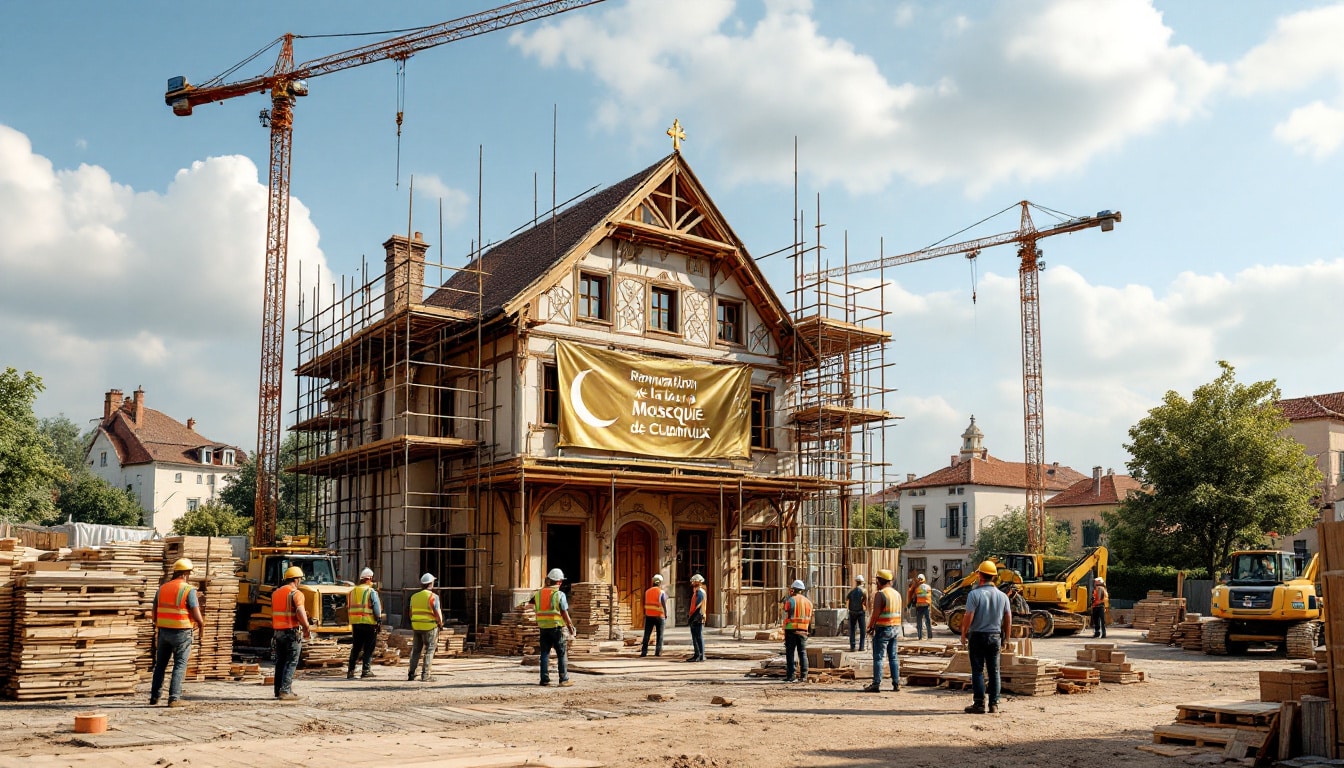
(131, 239)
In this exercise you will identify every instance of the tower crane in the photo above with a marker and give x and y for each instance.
(286, 82)
(1029, 265)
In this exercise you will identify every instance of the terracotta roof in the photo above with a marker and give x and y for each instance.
(994, 472)
(1329, 406)
(514, 264)
(158, 437)
(1111, 489)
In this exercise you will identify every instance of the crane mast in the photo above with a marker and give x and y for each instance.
(286, 82)
(1033, 382)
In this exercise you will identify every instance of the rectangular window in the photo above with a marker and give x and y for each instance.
(916, 566)
(762, 417)
(663, 309)
(207, 455)
(550, 394)
(228, 458)
(919, 522)
(730, 321)
(953, 521)
(193, 504)
(200, 479)
(177, 478)
(209, 479)
(1091, 533)
(102, 459)
(757, 553)
(592, 296)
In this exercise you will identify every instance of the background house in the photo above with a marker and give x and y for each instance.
(1317, 422)
(1081, 505)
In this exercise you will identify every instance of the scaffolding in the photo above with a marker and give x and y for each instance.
(389, 406)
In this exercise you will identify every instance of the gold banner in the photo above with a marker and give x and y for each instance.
(614, 401)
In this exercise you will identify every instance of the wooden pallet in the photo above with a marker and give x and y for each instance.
(1204, 735)
(1228, 714)
(926, 680)
(955, 681)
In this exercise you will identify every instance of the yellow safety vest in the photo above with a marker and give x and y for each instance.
(361, 605)
(422, 610)
(923, 594)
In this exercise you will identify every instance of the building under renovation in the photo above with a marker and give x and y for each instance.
(615, 391)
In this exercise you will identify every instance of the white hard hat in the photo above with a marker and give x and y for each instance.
(859, 577)
(920, 577)
(657, 578)
(556, 575)
(697, 579)
(798, 584)
(367, 573)
(1099, 580)
(428, 578)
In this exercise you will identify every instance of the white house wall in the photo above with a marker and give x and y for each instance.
(163, 490)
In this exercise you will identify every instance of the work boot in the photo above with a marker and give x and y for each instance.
(425, 678)
(544, 683)
(366, 673)
(975, 709)
(350, 674)
(289, 697)
(410, 678)
(790, 680)
(175, 703)
(993, 709)
(566, 683)
(154, 701)
(872, 688)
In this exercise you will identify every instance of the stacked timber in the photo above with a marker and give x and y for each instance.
(452, 641)
(74, 634)
(10, 554)
(1028, 675)
(321, 652)
(142, 561)
(1113, 665)
(215, 578)
(1190, 633)
(590, 607)
(1167, 614)
(1077, 679)
(1145, 610)
(517, 634)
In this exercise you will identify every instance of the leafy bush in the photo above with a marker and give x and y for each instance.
(1133, 582)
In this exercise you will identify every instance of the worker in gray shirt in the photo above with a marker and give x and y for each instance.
(858, 607)
(988, 620)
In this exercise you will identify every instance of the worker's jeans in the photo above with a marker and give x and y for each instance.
(651, 623)
(553, 638)
(984, 649)
(923, 624)
(1099, 621)
(884, 644)
(858, 625)
(173, 644)
(423, 641)
(697, 639)
(795, 642)
(288, 645)
(361, 649)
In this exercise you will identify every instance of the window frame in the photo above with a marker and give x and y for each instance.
(918, 523)
(207, 455)
(954, 521)
(177, 478)
(673, 312)
(763, 434)
(193, 505)
(102, 459)
(738, 325)
(756, 544)
(550, 396)
(584, 300)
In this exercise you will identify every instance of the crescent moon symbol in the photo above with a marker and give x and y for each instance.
(580, 407)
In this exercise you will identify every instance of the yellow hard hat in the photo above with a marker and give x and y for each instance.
(988, 568)
(883, 574)
(182, 565)
(293, 572)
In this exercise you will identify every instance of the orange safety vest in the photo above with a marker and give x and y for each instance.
(653, 602)
(697, 603)
(798, 613)
(283, 615)
(548, 608)
(1098, 597)
(361, 605)
(923, 594)
(172, 605)
(891, 608)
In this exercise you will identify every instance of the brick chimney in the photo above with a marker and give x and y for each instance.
(191, 424)
(909, 477)
(111, 402)
(403, 272)
(138, 415)
(1096, 481)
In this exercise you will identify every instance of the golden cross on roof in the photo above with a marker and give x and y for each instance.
(677, 135)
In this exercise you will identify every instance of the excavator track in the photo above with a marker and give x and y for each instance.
(1300, 639)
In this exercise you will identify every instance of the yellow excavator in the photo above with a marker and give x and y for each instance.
(325, 597)
(1056, 606)
(1265, 599)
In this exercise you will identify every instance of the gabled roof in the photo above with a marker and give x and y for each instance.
(1091, 491)
(1329, 406)
(993, 472)
(157, 437)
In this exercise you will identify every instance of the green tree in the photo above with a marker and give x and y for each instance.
(68, 444)
(878, 526)
(1222, 473)
(213, 518)
(27, 468)
(297, 508)
(86, 498)
(1008, 533)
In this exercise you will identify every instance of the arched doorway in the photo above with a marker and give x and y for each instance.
(634, 568)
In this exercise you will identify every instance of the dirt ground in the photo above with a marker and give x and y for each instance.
(492, 712)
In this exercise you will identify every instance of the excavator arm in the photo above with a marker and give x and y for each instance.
(1079, 568)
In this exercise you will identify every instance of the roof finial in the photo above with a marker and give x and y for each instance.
(677, 134)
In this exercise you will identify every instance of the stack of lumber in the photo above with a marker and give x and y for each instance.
(452, 640)
(74, 634)
(1077, 679)
(1190, 633)
(387, 648)
(1240, 728)
(1146, 609)
(1166, 615)
(590, 605)
(142, 561)
(215, 578)
(321, 652)
(1023, 673)
(1112, 664)
(517, 635)
(1293, 684)
(1331, 537)
(10, 553)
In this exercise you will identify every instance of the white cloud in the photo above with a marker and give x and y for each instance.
(1028, 91)
(106, 286)
(81, 144)
(429, 186)
(1109, 354)
(904, 16)
(1303, 50)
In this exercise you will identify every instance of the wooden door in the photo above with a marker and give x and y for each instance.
(692, 558)
(634, 569)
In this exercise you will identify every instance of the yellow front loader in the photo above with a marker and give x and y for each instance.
(325, 597)
(1265, 599)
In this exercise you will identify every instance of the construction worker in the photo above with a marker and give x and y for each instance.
(289, 625)
(858, 613)
(797, 623)
(655, 615)
(1100, 599)
(988, 621)
(695, 618)
(885, 621)
(923, 605)
(552, 614)
(366, 613)
(176, 610)
(426, 621)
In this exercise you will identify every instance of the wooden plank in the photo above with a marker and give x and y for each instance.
(1200, 735)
